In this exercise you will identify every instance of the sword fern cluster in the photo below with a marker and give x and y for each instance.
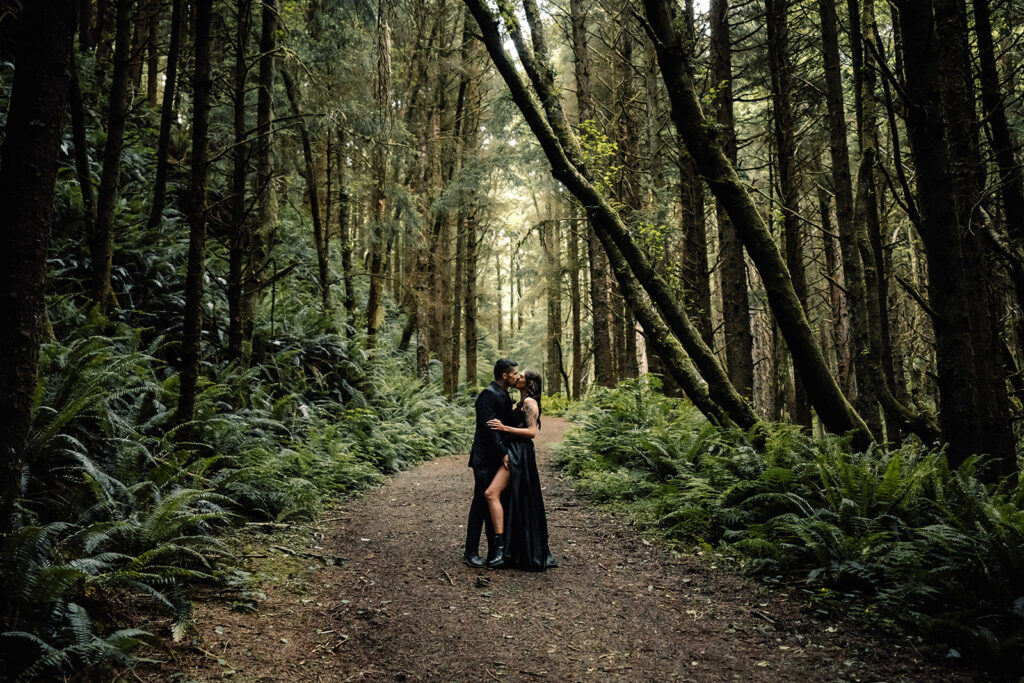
(896, 532)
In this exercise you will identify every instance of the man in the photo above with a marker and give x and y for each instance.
(486, 456)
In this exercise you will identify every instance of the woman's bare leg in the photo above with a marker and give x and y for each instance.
(493, 496)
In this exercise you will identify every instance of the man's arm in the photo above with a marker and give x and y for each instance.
(489, 408)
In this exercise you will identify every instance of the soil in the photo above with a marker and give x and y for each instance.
(400, 605)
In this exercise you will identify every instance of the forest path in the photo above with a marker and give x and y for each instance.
(404, 607)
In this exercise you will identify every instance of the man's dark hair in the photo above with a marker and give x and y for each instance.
(502, 366)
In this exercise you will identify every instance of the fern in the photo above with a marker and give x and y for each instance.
(889, 531)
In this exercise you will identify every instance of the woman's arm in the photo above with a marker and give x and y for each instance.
(528, 432)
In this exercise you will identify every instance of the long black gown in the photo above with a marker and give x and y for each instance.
(526, 525)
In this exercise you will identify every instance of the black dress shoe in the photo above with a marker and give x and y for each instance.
(473, 560)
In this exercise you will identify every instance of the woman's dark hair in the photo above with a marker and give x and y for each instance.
(502, 366)
(533, 389)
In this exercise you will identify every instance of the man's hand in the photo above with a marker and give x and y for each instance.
(506, 461)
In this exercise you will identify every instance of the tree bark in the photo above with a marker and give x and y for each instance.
(196, 208)
(28, 175)
(239, 242)
(319, 235)
(153, 55)
(599, 284)
(739, 341)
(167, 115)
(973, 415)
(345, 228)
(378, 241)
(576, 388)
(552, 241)
(101, 239)
(843, 186)
(470, 302)
(781, 70)
(79, 136)
(629, 186)
(86, 25)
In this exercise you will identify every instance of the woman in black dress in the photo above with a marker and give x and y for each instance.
(525, 524)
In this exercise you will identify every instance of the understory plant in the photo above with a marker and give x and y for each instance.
(897, 533)
(119, 516)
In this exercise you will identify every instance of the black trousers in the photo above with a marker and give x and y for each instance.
(479, 512)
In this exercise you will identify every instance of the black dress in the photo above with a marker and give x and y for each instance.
(526, 525)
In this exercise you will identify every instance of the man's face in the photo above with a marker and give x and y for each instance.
(511, 377)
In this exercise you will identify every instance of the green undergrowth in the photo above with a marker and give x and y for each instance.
(893, 536)
(120, 515)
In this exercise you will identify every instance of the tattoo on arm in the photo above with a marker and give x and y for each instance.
(532, 417)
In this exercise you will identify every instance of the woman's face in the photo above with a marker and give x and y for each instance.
(521, 382)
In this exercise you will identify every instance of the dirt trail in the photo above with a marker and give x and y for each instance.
(403, 606)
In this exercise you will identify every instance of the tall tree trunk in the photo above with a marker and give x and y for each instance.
(153, 55)
(500, 297)
(973, 413)
(576, 388)
(553, 281)
(28, 174)
(80, 138)
(840, 328)
(789, 181)
(739, 342)
(470, 301)
(101, 241)
(599, 283)
(693, 262)
(86, 25)
(843, 186)
(457, 295)
(167, 115)
(378, 241)
(196, 207)
(259, 241)
(629, 185)
(239, 243)
(345, 232)
(319, 235)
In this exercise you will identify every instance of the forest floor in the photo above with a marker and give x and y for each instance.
(376, 590)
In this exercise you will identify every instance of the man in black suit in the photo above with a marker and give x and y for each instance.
(487, 455)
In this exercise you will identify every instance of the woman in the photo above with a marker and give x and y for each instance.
(523, 530)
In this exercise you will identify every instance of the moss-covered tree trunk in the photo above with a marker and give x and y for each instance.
(599, 284)
(28, 173)
(101, 238)
(167, 114)
(192, 328)
(781, 69)
(973, 414)
(238, 242)
(739, 341)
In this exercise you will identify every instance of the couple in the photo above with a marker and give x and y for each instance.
(506, 493)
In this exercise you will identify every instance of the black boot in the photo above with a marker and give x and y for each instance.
(497, 557)
(473, 560)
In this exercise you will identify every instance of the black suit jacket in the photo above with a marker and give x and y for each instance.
(488, 445)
